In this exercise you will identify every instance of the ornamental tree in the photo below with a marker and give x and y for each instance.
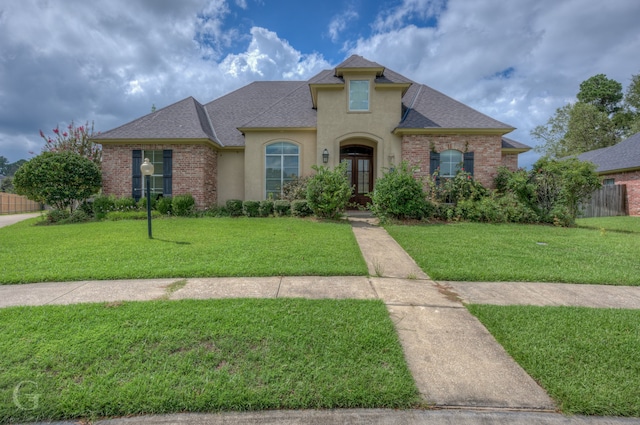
(74, 139)
(60, 179)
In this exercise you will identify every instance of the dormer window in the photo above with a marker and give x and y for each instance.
(359, 95)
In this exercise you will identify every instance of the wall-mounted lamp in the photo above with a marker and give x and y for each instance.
(325, 156)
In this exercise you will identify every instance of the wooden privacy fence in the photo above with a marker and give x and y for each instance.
(13, 204)
(607, 201)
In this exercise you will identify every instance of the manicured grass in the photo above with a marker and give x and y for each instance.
(615, 224)
(96, 360)
(587, 359)
(526, 253)
(197, 247)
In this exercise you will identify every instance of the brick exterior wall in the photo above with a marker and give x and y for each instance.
(487, 153)
(510, 160)
(194, 170)
(632, 180)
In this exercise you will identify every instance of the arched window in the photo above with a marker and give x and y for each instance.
(450, 162)
(282, 165)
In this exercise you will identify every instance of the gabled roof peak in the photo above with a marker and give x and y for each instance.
(355, 63)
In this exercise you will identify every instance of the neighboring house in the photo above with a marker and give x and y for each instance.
(248, 143)
(620, 164)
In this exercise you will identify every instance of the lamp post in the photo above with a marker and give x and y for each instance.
(147, 170)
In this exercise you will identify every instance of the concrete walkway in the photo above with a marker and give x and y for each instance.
(457, 365)
(9, 219)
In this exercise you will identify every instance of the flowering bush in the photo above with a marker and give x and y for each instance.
(74, 139)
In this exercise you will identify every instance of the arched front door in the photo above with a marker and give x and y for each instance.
(359, 161)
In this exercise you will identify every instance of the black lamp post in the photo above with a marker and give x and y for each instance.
(147, 170)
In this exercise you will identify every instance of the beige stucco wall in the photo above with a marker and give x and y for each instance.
(337, 126)
(230, 175)
(255, 151)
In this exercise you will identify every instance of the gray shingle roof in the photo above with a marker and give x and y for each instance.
(428, 108)
(289, 104)
(622, 156)
(240, 106)
(512, 144)
(185, 119)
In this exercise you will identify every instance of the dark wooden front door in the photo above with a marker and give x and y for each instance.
(359, 161)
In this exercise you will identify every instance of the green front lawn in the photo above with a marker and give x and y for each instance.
(182, 247)
(614, 224)
(527, 253)
(587, 359)
(120, 359)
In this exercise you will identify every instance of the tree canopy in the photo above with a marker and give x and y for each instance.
(60, 179)
(601, 117)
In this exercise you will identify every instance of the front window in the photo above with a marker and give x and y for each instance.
(450, 163)
(155, 157)
(282, 166)
(609, 182)
(359, 95)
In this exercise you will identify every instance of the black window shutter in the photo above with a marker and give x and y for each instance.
(167, 172)
(136, 174)
(468, 162)
(434, 162)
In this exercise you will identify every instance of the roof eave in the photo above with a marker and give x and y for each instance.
(618, 171)
(314, 90)
(365, 70)
(244, 130)
(485, 131)
(148, 141)
(515, 150)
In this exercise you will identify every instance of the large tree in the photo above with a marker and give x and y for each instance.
(601, 117)
(602, 92)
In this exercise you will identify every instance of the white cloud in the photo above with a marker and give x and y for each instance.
(339, 23)
(395, 18)
(547, 47)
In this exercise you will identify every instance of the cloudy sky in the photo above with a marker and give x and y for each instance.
(110, 61)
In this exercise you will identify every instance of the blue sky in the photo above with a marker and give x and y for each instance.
(109, 62)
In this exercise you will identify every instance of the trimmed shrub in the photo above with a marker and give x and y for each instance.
(328, 191)
(142, 203)
(282, 207)
(295, 189)
(102, 205)
(78, 216)
(399, 195)
(183, 205)
(217, 211)
(300, 208)
(251, 208)
(266, 208)
(131, 215)
(164, 205)
(126, 203)
(57, 216)
(234, 206)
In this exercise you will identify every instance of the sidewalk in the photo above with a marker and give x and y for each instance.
(457, 365)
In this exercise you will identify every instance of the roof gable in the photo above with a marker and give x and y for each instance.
(185, 119)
